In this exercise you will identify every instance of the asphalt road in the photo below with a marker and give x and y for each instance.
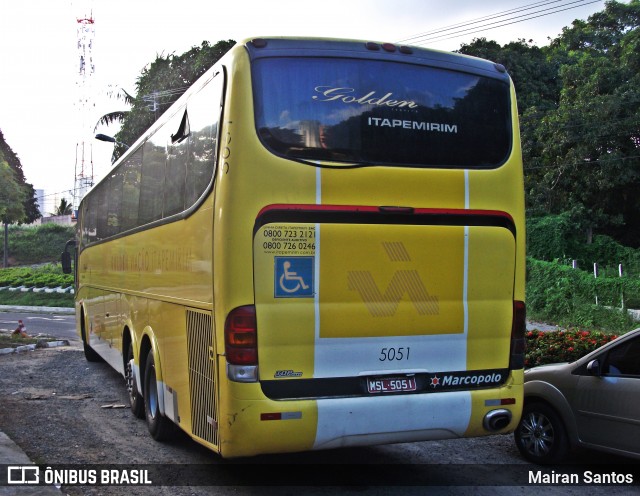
(52, 405)
(64, 326)
(59, 326)
(37, 385)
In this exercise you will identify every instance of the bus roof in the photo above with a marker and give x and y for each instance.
(328, 47)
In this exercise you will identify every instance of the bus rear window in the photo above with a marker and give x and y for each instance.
(357, 111)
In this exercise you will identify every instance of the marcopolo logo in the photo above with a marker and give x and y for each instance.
(467, 380)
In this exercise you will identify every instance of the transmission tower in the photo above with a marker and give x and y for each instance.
(85, 108)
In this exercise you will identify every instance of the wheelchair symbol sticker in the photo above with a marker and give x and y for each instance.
(293, 277)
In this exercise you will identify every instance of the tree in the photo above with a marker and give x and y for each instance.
(30, 203)
(117, 116)
(534, 76)
(12, 197)
(587, 157)
(17, 197)
(161, 83)
(579, 104)
(65, 208)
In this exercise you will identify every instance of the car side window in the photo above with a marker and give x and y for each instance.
(623, 359)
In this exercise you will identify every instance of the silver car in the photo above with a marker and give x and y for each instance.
(593, 402)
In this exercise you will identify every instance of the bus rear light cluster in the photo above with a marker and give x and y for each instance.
(240, 336)
(388, 47)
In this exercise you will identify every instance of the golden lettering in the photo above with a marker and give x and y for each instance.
(346, 95)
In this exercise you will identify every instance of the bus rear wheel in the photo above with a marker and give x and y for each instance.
(135, 398)
(89, 353)
(160, 427)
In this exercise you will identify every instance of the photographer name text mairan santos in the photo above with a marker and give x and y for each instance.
(586, 477)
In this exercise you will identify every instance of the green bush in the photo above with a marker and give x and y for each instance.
(562, 346)
(31, 299)
(557, 293)
(39, 244)
(559, 237)
(608, 253)
(49, 275)
(553, 237)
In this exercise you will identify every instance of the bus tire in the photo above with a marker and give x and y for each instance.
(160, 427)
(89, 353)
(135, 398)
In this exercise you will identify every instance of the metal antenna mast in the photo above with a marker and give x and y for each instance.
(86, 70)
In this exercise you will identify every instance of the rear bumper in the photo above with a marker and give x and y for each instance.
(252, 427)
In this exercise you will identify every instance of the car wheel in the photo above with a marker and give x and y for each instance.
(541, 436)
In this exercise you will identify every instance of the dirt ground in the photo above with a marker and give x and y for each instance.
(61, 409)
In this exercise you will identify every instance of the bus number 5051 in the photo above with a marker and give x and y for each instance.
(394, 354)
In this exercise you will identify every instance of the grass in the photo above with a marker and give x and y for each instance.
(36, 244)
(30, 299)
(7, 340)
(46, 275)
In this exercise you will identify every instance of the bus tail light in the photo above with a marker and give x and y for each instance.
(518, 329)
(241, 344)
(240, 336)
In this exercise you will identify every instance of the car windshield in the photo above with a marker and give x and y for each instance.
(380, 112)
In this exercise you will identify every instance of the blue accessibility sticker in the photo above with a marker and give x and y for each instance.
(294, 277)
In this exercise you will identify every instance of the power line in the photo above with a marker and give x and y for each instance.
(454, 31)
(479, 19)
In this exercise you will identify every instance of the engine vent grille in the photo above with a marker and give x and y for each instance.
(202, 376)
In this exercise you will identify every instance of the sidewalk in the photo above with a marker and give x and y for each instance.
(42, 310)
(12, 454)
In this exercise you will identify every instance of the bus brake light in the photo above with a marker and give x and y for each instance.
(240, 336)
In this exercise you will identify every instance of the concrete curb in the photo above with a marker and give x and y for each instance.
(61, 310)
(32, 347)
(12, 454)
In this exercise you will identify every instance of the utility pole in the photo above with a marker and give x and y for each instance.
(86, 70)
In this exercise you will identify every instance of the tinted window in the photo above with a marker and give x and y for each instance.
(88, 219)
(176, 169)
(131, 168)
(204, 113)
(624, 359)
(113, 201)
(349, 110)
(98, 204)
(154, 155)
(165, 176)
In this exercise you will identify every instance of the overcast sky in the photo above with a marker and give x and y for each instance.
(39, 60)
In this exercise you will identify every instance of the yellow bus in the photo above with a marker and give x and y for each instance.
(320, 244)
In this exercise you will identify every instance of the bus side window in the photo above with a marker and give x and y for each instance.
(154, 156)
(176, 170)
(131, 191)
(113, 202)
(204, 115)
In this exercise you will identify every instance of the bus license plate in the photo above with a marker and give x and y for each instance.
(391, 385)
